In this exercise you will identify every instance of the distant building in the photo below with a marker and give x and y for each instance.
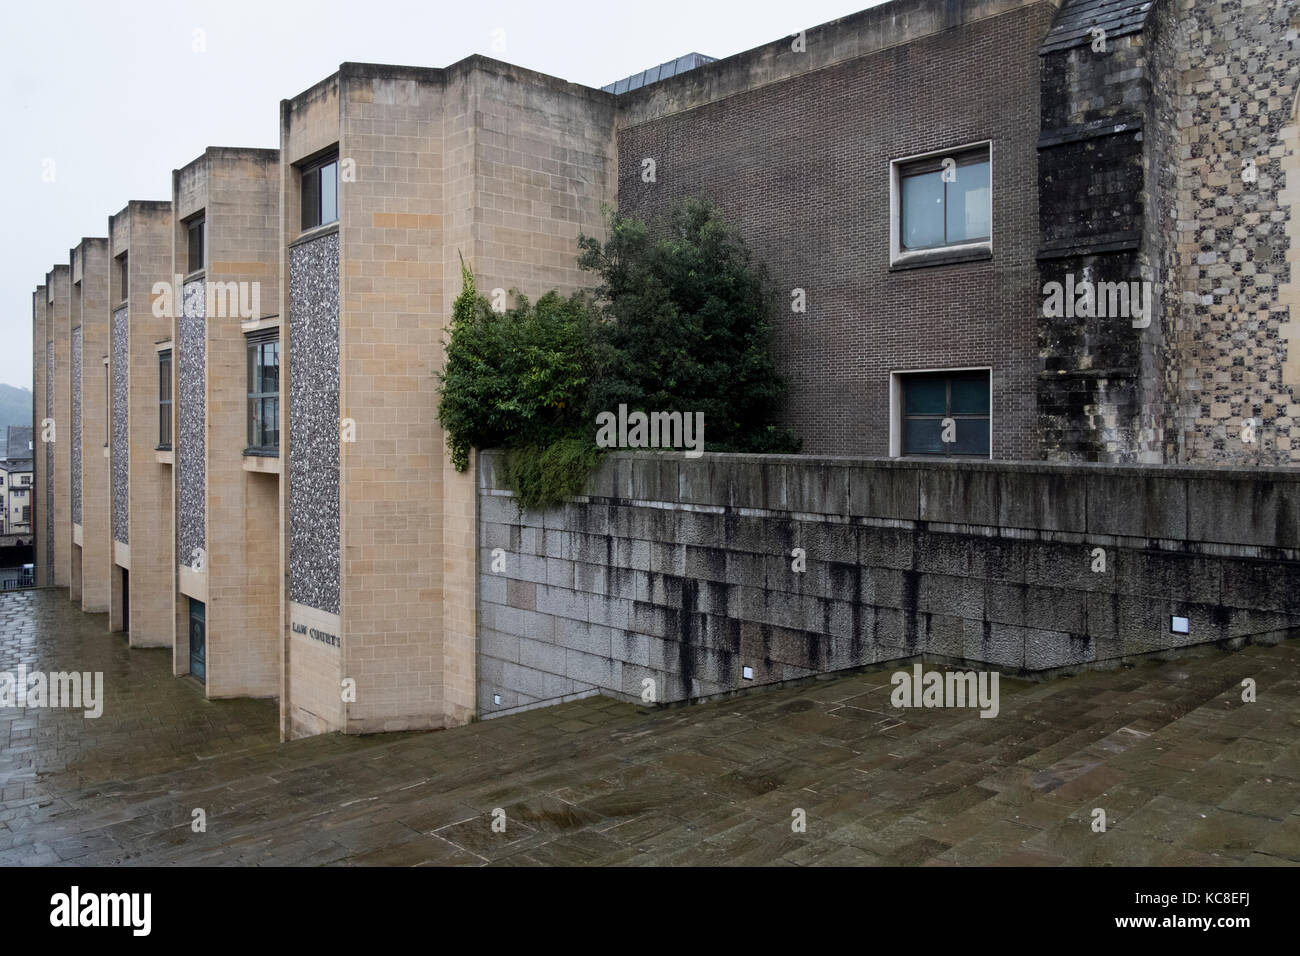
(16, 477)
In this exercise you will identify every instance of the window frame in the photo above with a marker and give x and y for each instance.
(901, 257)
(254, 341)
(166, 402)
(897, 411)
(311, 196)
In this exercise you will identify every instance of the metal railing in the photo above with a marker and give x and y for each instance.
(20, 577)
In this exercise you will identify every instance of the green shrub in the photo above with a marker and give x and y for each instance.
(518, 378)
(686, 327)
(679, 325)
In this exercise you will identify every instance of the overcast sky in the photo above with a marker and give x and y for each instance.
(111, 97)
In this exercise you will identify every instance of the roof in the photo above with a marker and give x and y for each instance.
(656, 73)
(1077, 18)
(18, 443)
(16, 465)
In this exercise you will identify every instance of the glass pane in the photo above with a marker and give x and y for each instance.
(968, 203)
(271, 423)
(255, 381)
(252, 423)
(311, 198)
(196, 246)
(925, 396)
(970, 394)
(270, 367)
(923, 211)
(921, 436)
(329, 192)
(972, 437)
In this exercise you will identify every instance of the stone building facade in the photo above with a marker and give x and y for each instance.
(142, 592)
(919, 176)
(226, 291)
(91, 554)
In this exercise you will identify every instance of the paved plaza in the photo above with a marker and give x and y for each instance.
(1186, 772)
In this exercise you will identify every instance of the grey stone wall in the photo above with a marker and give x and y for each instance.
(188, 409)
(121, 449)
(680, 571)
(76, 425)
(314, 423)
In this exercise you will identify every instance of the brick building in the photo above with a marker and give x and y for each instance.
(933, 182)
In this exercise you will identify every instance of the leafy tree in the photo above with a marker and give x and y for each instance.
(686, 328)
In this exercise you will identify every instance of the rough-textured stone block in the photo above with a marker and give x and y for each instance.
(883, 491)
(1259, 512)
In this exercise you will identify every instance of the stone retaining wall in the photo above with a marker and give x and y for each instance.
(680, 571)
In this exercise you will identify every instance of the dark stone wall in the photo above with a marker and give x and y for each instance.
(802, 166)
(1100, 391)
(313, 453)
(680, 571)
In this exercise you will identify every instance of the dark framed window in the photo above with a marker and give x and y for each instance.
(264, 393)
(122, 273)
(197, 232)
(928, 398)
(945, 204)
(164, 399)
(108, 406)
(27, 512)
(320, 193)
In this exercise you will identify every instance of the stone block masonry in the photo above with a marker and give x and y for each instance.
(681, 572)
(95, 505)
(143, 532)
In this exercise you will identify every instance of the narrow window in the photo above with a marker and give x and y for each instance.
(264, 393)
(165, 399)
(320, 193)
(197, 231)
(122, 273)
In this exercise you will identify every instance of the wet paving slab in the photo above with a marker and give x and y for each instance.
(826, 773)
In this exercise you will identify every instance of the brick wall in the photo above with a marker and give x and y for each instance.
(798, 156)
